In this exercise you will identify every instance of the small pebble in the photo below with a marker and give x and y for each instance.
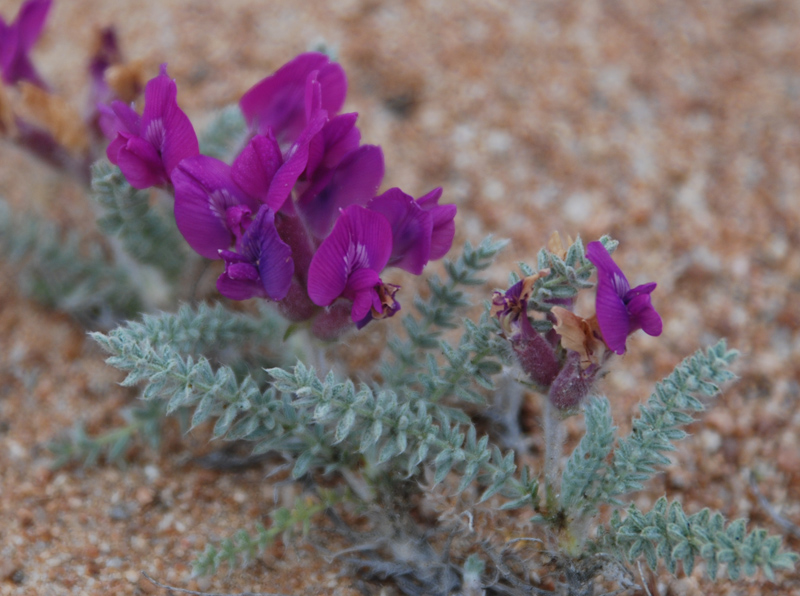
(118, 513)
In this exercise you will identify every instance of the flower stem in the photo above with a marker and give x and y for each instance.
(554, 445)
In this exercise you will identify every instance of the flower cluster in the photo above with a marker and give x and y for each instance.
(566, 361)
(296, 217)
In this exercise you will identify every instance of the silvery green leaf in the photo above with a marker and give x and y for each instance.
(371, 436)
(443, 463)
(225, 420)
(303, 464)
(243, 428)
(344, 426)
(388, 451)
(204, 410)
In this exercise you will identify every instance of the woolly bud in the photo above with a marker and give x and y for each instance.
(573, 383)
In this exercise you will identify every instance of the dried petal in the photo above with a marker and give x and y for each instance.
(579, 335)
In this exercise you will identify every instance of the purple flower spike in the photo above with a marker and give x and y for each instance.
(620, 309)
(353, 182)
(348, 263)
(278, 101)
(148, 149)
(411, 229)
(210, 210)
(263, 266)
(17, 39)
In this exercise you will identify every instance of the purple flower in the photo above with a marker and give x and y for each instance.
(422, 230)
(620, 309)
(444, 226)
(211, 211)
(148, 148)
(338, 138)
(263, 172)
(17, 39)
(262, 266)
(354, 181)
(348, 264)
(279, 102)
(535, 355)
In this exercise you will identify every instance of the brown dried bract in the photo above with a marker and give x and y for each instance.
(556, 245)
(8, 125)
(55, 115)
(126, 80)
(580, 335)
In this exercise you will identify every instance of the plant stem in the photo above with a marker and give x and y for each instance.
(554, 445)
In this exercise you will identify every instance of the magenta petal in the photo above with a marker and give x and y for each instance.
(164, 124)
(127, 118)
(607, 269)
(328, 272)
(370, 238)
(363, 302)
(204, 191)
(313, 100)
(361, 290)
(333, 81)
(341, 138)
(643, 316)
(295, 163)
(431, 199)
(114, 146)
(278, 101)
(316, 153)
(359, 281)
(255, 167)
(620, 310)
(360, 240)
(107, 121)
(354, 182)
(411, 229)
(9, 37)
(240, 280)
(264, 267)
(242, 271)
(444, 230)
(642, 289)
(275, 265)
(30, 22)
(140, 163)
(612, 316)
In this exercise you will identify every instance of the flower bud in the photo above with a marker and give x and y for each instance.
(573, 383)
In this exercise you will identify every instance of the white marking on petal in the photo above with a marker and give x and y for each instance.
(156, 134)
(219, 201)
(356, 257)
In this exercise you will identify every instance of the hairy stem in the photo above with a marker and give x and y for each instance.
(554, 446)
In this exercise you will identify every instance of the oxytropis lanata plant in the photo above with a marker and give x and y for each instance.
(283, 194)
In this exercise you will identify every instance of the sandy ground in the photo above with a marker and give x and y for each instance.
(672, 125)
